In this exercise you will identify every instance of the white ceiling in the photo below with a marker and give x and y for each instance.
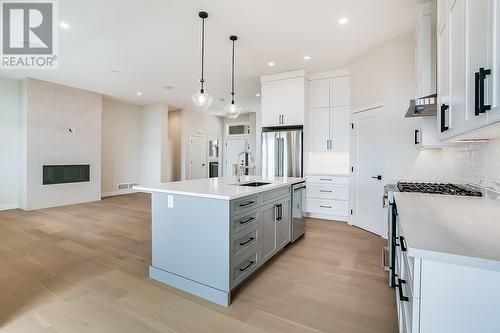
(156, 43)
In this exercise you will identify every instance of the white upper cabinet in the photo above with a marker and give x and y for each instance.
(283, 99)
(425, 49)
(329, 114)
(339, 91)
(469, 64)
(271, 103)
(319, 93)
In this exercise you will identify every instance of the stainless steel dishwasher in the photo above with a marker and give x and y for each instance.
(298, 210)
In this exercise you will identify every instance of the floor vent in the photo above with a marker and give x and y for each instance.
(132, 185)
(123, 187)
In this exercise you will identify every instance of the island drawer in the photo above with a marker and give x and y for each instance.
(243, 267)
(245, 203)
(243, 241)
(329, 207)
(244, 221)
(275, 194)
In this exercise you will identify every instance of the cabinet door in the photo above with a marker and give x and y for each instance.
(271, 103)
(339, 91)
(268, 232)
(478, 15)
(494, 114)
(442, 12)
(319, 131)
(456, 25)
(283, 224)
(292, 101)
(443, 81)
(319, 93)
(340, 119)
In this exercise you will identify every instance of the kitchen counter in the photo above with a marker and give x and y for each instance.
(225, 188)
(459, 230)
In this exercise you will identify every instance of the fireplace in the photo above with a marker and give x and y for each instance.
(64, 174)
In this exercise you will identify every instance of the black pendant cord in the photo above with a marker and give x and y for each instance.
(233, 39)
(203, 16)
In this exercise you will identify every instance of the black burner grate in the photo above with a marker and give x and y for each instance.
(438, 188)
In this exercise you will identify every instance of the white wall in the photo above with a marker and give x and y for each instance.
(386, 74)
(9, 143)
(48, 112)
(198, 123)
(174, 145)
(154, 143)
(121, 138)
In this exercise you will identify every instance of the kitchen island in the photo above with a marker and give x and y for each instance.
(210, 235)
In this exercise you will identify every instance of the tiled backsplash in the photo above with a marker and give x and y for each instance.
(479, 164)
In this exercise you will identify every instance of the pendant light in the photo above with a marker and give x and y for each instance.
(232, 110)
(201, 99)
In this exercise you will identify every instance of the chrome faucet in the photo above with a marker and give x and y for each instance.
(242, 167)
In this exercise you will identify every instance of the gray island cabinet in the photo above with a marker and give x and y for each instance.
(210, 240)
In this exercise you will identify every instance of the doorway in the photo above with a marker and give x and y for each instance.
(198, 157)
(367, 174)
(232, 147)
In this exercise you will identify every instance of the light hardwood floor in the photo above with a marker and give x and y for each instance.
(83, 268)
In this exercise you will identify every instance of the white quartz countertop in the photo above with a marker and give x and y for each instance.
(225, 188)
(459, 230)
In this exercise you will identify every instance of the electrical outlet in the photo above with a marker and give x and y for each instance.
(170, 201)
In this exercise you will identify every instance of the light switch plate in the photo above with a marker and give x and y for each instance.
(170, 201)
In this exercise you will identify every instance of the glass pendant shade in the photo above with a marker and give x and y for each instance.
(232, 111)
(202, 101)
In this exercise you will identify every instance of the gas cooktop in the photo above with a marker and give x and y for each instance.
(437, 188)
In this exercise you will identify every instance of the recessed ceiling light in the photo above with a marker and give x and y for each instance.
(343, 20)
(139, 93)
(114, 71)
(271, 64)
(168, 87)
(257, 95)
(307, 57)
(64, 25)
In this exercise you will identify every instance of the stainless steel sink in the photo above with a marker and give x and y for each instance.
(254, 184)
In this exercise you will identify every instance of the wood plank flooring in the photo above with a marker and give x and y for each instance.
(83, 268)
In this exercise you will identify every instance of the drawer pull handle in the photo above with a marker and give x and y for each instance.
(248, 241)
(402, 297)
(247, 220)
(247, 203)
(247, 266)
(402, 243)
(326, 179)
(325, 206)
(325, 191)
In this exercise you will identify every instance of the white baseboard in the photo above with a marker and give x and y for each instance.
(328, 217)
(9, 206)
(114, 193)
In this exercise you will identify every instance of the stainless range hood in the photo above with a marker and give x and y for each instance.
(423, 107)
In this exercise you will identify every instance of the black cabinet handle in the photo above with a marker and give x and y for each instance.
(326, 179)
(479, 106)
(403, 244)
(379, 177)
(247, 220)
(248, 241)
(444, 108)
(247, 203)
(402, 297)
(247, 266)
(325, 191)
(417, 132)
(325, 206)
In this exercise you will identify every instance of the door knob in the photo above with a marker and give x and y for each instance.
(379, 177)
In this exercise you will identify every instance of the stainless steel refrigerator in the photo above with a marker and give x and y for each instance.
(282, 153)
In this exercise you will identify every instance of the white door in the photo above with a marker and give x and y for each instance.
(479, 53)
(367, 159)
(443, 68)
(319, 130)
(271, 103)
(198, 157)
(340, 128)
(232, 148)
(292, 101)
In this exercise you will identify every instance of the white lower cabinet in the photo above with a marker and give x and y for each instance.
(327, 197)
(437, 296)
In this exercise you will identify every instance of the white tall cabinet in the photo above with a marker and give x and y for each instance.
(327, 133)
(468, 66)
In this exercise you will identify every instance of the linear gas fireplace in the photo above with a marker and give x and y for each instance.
(63, 174)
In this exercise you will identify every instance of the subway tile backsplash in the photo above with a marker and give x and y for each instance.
(479, 164)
